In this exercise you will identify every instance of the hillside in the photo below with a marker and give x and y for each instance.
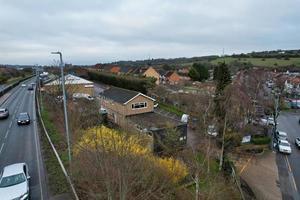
(274, 58)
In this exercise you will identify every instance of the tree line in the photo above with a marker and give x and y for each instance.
(128, 82)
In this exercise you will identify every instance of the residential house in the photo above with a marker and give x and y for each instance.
(73, 84)
(134, 111)
(151, 72)
(172, 78)
(292, 85)
(115, 70)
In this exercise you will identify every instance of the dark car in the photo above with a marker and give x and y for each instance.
(23, 119)
(30, 87)
(4, 113)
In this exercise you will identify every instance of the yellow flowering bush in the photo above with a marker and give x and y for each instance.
(108, 140)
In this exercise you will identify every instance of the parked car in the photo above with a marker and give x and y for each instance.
(284, 146)
(23, 119)
(23, 85)
(297, 142)
(280, 135)
(82, 96)
(267, 121)
(4, 113)
(14, 182)
(212, 130)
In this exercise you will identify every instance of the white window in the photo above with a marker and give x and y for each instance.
(139, 105)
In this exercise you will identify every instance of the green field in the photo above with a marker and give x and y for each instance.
(266, 62)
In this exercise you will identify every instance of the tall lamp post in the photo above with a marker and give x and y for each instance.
(65, 103)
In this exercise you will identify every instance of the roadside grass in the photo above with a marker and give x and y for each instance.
(267, 62)
(57, 181)
(16, 79)
(171, 109)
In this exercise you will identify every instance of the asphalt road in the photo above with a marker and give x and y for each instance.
(289, 165)
(21, 143)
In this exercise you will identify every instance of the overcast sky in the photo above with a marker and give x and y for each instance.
(91, 31)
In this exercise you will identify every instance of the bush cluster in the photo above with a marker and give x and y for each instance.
(129, 82)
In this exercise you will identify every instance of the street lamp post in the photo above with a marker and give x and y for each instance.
(65, 103)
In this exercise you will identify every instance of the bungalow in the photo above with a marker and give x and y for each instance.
(134, 111)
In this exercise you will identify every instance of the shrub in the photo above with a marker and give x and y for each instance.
(128, 82)
(261, 140)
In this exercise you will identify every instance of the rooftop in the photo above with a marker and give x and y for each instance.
(154, 120)
(70, 80)
(121, 95)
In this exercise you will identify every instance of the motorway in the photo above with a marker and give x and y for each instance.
(289, 165)
(21, 143)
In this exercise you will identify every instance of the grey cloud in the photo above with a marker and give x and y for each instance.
(96, 31)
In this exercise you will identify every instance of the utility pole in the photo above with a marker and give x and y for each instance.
(65, 104)
(276, 105)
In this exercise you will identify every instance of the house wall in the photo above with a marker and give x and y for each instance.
(117, 112)
(130, 111)
(150, 72)
(174, 78)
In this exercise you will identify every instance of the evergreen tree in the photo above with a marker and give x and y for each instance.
(223, 77)
(199, 72)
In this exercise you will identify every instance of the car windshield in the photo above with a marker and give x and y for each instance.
(284, 144)
(23, 116)
(12, 180)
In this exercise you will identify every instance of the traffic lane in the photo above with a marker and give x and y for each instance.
(288, 122)
(21, 144)
(12, 105)
(286, 187)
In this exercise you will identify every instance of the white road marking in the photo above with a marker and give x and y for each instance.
(36, 147)
(1, 148)
(10, 124)
(6, 134)
(290, 169)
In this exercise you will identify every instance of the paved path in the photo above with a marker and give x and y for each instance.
(261, 174)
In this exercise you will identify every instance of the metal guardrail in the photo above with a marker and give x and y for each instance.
(55, 151)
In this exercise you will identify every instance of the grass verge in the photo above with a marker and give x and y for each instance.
(56, 179)
(171, 109)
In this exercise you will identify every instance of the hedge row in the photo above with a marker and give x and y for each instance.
(123, 81)
(261, 140)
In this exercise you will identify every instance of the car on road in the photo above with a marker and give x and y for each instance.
(284, 146)
(297, 142)
(23, 85)
(14, 182)
(280, 135)
(30, 87)
(23, 118)
(4, 113)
